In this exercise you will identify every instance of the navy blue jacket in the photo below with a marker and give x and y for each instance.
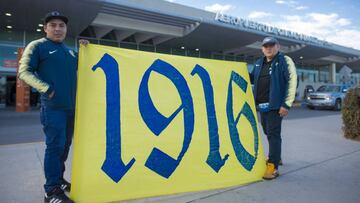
(50, 66)
(282, 83)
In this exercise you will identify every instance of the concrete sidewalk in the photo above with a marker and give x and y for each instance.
(319, 166)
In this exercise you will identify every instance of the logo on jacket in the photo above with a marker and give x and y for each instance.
(51, 52)
(71, 52)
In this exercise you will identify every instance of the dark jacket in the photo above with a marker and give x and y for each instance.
(282, 83)
(49, 66)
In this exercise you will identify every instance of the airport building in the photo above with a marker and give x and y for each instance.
(165, 27)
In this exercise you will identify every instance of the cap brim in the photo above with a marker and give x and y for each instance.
(269, 43)
(63, 18)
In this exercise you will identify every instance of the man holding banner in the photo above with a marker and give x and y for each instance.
(274, 78)
(50, 67)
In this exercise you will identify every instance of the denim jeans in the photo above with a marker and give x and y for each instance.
(271, 123)
(58, 126)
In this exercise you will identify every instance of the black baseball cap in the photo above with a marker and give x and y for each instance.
(55, 15)
(269, 41)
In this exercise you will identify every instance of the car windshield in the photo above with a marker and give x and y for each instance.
(326, 88)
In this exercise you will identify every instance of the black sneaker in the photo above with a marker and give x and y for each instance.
(65, 186)
(57, 196)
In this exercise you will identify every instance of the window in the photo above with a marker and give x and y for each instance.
(327, 88)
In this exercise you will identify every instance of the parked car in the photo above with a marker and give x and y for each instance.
(330, 96)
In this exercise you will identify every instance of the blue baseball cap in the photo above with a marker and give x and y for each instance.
(55, 15)
(269, 41)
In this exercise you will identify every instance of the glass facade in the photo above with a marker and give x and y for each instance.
(10, 41)
(8, 56)
(308, 75)
(324, 75)
(2, 91)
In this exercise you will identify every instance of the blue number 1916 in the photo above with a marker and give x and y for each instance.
(158, 161)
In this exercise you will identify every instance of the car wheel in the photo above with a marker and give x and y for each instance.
(337, 106)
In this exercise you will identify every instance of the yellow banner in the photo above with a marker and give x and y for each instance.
(150, 124)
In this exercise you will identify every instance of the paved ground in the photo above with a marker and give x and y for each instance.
(319, 164)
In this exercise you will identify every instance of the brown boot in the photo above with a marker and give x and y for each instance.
(280, 162)
(271, 172)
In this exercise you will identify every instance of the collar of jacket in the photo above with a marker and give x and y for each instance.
(275, 59)
(58, 43)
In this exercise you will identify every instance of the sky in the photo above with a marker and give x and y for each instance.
(336, 21)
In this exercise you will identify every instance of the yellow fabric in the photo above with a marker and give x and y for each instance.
(28, 76)
(292, 82)
(91, 184)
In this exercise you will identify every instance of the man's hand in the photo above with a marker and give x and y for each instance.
(283, 112)
(84, 42)
(51, 95)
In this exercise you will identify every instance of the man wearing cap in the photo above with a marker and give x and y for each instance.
(50, 67)
(274, 78)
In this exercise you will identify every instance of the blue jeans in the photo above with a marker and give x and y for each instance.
(271, 123)
(58, 126)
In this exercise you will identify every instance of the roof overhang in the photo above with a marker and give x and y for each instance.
(26, 15)
(162, 23)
